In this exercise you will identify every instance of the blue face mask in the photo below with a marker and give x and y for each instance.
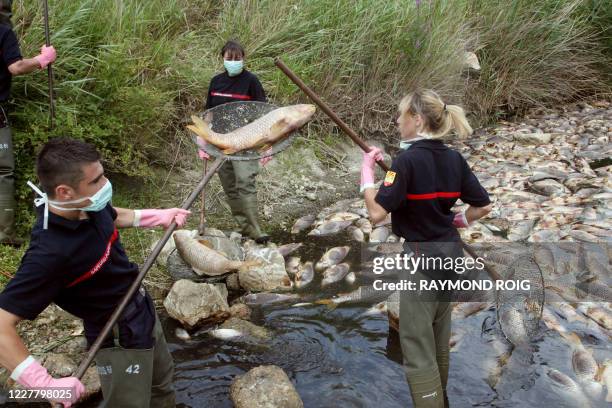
(233, 68)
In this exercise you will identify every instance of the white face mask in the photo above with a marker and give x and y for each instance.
(98, 201)
(405, 144)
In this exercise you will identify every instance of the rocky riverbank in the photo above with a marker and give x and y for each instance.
(549, 175)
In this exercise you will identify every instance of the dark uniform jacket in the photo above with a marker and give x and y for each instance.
(81, 266)
(424, 183)
(242, 87)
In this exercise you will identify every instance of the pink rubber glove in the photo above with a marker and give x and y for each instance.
(367, 167)
(460, 221)
(30, 374)
(47, 56)
(154, 218)
(265, 160)
(201, 153)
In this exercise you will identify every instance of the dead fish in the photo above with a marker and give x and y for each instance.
(584, 236)
(292, 265)
(363, 294)
(289, 248)
(264, 298)
(225, 334)
(333, 256)
(586, 368)
(379, 234)
(304, 275)
(520, 230)
(597, 314)
(204, 260)
(364, 225)
(378, 309)
(387, 248)
(355, 233)
(182, 334)
(330, 227)
(265, 131)
(350, 278)
(549, 187)
(466, 309)
(566, 311)
(302, 223)
(606, 378)
(513, 326)
(342, 216)
(569, 386)
(334, 274)
(546, 235)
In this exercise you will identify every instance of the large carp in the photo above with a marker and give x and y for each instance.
(263, 132)
(204, 260)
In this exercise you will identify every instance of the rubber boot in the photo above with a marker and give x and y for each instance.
(442, 359)
(253, 229)
(238, 213)
(7, 187)
(426, 388)
(125, 377)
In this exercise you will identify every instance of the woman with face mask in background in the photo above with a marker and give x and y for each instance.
(238, 177)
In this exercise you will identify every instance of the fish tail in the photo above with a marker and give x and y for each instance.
(203, 130)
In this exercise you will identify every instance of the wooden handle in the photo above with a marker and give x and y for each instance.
(332, 115)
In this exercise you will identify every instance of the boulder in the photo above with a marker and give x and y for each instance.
(59, 365)
(179, 269)
(269, 275)
(264, 387)
(194, 303)
(241, 311)
(165, 252)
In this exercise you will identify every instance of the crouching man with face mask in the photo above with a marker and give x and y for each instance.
(76, 260)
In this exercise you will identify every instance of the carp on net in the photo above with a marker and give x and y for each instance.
(233, 115)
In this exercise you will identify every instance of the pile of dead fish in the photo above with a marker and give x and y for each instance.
(549, 176)
(350, 215)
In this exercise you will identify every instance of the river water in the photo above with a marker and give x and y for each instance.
(345, 358)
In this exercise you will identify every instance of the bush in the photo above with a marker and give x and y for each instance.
(130, 71)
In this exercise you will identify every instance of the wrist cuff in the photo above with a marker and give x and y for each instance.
(137, 215)
(21, 368)
(366, 186)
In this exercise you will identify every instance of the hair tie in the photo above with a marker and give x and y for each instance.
(444, 106)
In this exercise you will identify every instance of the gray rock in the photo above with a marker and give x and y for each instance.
(165, 252)
(241, 311)
(232, 282)
(269, 275)
(59, 365)
(179, 269)
(549, 187)
(195, 303)
(264, 387)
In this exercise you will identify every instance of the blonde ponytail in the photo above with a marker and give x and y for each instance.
(439, 117)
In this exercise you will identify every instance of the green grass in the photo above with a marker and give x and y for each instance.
(130, 71)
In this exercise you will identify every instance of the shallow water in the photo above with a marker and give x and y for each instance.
(344, 358)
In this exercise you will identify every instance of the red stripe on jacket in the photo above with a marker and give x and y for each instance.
(100, 262)
(231, 95)
(431, 196)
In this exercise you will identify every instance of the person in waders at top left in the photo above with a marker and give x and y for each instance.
(11, 64)
(238, 176)
(76, 260)
(424, 182)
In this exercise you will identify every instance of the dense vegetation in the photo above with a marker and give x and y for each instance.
(130, 71)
